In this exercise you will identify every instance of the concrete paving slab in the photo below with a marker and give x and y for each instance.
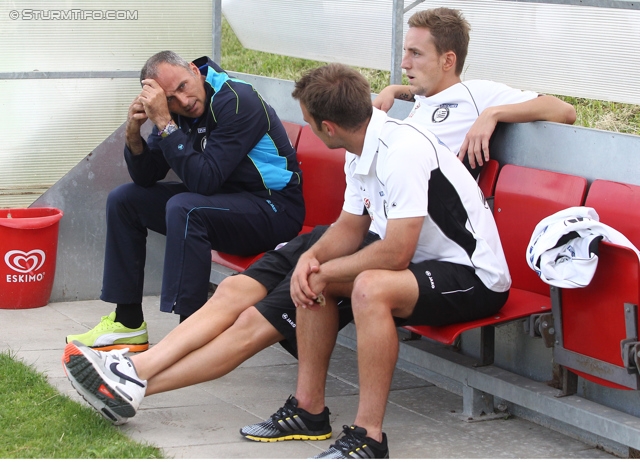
(344, 408)
(212, 423)
(277, 382)
(34, 329)
(344, 364)
(272, 356)
(194, 395)
(202, 421)
(247, 449)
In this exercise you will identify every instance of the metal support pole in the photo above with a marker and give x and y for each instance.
(396, 42)
(216, 53)
(487, 345)
(476, 403)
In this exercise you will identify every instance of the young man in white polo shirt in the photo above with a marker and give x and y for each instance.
(463, 115)
(438, 259)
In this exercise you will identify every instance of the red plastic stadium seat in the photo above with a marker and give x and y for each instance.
(323, 181)
(618, 205)
(488, 177)
(593, 321)
(523, 197)
(234, 262)
(520, 304)
(323, 185)
(293, 131)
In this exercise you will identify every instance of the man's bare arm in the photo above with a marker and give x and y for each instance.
(393, 253)
(545, 107)
(135, 118)
(342, 238)
(387, 96)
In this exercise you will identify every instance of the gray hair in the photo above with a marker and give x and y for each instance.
(150, 68)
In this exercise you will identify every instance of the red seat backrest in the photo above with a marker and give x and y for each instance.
(618, 205)
(488, 177)
(323, 181)
(593, 318)
(523, 197)
(293, 132)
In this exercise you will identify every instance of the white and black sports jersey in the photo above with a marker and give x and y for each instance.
(563, 249)
(405, 172)
(451, 113)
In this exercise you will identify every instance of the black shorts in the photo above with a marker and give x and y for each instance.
(450, 293)
(274, 271)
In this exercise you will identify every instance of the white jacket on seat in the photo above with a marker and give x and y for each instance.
(563, 249)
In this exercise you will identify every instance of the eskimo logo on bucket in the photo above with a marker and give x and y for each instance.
(25, 262)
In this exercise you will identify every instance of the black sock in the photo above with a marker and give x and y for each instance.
(129, 315)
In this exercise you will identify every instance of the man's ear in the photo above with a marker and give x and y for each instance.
(328, 127)
(449, 61)
(194, 69)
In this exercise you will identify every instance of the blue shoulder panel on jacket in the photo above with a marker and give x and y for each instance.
(216, 79)
(272, 167)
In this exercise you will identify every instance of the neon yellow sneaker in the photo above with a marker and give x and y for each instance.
(110, 335)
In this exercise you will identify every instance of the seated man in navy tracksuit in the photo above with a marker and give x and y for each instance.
(241, 190)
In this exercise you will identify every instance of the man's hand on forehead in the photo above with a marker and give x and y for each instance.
(153, 99)
(150, 89)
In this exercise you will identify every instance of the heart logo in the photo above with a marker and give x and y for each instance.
(25, 262)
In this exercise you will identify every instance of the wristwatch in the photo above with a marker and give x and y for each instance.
(169, 129)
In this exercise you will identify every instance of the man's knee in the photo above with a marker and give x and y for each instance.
(255, 330)
(235, 285)
(368, 293)
(122, 195)
(233, 288)
(178, 207)
(384, 293)
(251, 319)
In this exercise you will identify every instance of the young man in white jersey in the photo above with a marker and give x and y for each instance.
(438, 259)
(463, 115)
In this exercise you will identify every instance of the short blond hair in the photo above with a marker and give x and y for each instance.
(449, 29)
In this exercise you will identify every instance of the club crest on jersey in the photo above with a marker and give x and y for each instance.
(440, 114)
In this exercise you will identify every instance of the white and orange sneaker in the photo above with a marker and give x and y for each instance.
(108, 381)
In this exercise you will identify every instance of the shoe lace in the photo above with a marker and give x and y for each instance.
(349, 441)
(104, 324)
(119, 355)
(285, 411)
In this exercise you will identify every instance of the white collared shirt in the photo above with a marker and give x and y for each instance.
(405, 172)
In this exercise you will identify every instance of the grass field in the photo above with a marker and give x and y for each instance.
(37, 422)
(603, 115)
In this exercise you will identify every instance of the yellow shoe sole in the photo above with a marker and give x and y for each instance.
(289, 438)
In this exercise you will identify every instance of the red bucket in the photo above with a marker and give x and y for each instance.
(28, 249)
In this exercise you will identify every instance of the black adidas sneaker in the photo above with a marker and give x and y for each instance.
(290, 423)
(356, 445)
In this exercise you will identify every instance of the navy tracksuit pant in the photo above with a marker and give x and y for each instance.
(239, 223)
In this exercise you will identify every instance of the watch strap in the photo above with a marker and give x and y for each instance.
(168, 129)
